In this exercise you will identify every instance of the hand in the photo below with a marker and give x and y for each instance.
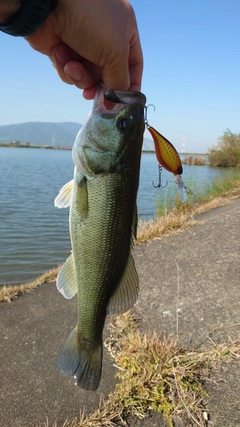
(90, 41)
(8, 8)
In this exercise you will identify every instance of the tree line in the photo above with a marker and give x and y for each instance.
(226, 152)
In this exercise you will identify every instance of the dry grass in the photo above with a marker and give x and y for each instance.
(155, 375)
(180, 217)
(170, 223)
(217, 202)
(8, 293)
(221, 192)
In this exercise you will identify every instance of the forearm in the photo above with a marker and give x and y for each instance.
(8, 8)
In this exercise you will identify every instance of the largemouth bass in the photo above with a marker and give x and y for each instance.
(103, 221)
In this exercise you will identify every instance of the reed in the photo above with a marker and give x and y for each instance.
(172, 213)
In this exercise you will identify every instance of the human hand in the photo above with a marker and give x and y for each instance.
(92, 41)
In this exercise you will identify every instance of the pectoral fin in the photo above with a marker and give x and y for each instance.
(126, 293)
(64, 197)
(66, 279)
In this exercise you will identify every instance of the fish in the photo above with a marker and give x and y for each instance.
(103, 225)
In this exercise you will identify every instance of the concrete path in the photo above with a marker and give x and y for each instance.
(190, 287)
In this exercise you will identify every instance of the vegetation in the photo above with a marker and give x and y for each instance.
(16, 144)
(9, 293)
(173, 214)
(28, 145)
(227, 151)
(155, 374)
(196, 161)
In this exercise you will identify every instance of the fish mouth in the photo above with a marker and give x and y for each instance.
(111, 96)
(108, 99)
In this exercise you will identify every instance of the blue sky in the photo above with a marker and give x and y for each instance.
(191, 74)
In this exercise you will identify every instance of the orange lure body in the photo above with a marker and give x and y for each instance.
(166, 154)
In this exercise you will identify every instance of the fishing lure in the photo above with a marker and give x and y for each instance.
(168, 158)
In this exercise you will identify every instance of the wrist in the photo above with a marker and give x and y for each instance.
(28, 17)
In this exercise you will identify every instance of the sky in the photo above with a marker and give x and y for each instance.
(191, 74)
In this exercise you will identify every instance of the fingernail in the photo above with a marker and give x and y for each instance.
(74, 74)
(59, 53)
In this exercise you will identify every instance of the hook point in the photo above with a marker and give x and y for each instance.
(145, 114)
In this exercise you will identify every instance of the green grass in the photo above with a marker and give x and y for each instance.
(197, 193)
(229, 184)
(172, 213)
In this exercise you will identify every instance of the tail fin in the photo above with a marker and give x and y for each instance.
(81, 359)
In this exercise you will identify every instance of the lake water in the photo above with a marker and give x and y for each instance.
(34, 235)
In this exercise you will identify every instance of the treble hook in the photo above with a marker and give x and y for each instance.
(145, 113)
(159, 185)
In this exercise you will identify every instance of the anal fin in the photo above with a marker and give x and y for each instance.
(66, 279)
(126, 293)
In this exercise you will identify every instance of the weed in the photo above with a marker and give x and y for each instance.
(155, 374)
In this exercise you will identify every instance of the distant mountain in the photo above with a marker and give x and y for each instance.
(41, 133)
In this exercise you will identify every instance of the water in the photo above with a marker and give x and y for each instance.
(34, 234)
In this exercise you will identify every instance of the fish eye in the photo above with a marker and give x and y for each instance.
(122, 124)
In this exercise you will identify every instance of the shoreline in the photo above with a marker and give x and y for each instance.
(28, 145)
(58, 147)
(10, 292)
